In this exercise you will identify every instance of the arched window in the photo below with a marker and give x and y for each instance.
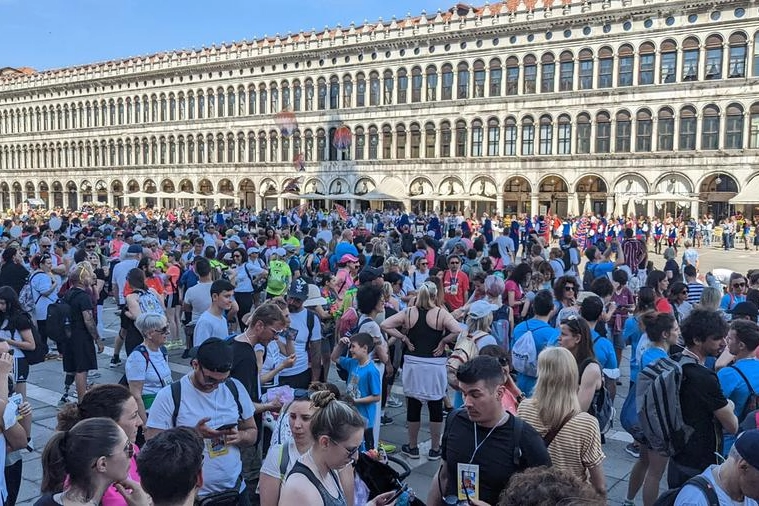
(713, 62)
(512, 75)
(622, 138)
(548, 73)
(463, 80)
(120, 112)
(297, 145)
(479, 78)
(297, 95)
(387, 142)
(190, 107)
(172, 107)
(586, 69)
(162, 151)
(643, 130)
(690, 59)
(528, 136)
(262, 146)
(646, 63)
(737, 55)
(190, 150)
(445, 139)
(566, 71)
(285, 149)
(461, 138)
(530, 74)
(710, 127)
(603, 132)
(625, 65)
(210, 147)
(387, 83)
(286, 101)
(666, 130)
(211, 103)
(447, 91)
(374, 88)
(180, 150)
(231, 96)
(431, 72)
(373, 142)
(309, 91)
(755, 64)
(416, 84)
(754, 119)
(429, 140)
(263, 97)
(240, 147)
(668, 63)
(494, 136)
(360, 90)
(273, 146)
(415, 140)
(734, 127)
(347, 91)
(477, 136)
(510, 137)
(251, 147)
(496, 76)
(565, 135)
(400, 145)
(402, 86)
(545, 139)
(360, 143)
(231, 149)
(221, 106)
(221, 148)
(321, 89)
(201, 105)
(334, 92)
(687, 134)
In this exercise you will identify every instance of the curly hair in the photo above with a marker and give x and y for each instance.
(538, 486)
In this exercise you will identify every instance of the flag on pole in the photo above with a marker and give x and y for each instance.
(342, 212)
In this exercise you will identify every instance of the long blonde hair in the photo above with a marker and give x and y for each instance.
(556, 390)
(426, 297)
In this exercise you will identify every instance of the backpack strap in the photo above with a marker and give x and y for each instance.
(176, 396)
(706, 487)
(551, 434)
(232, 386)
(284, 461)
(748, 384)
(310, 317)
(517, 455)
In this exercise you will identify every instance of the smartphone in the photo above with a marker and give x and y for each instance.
(227, 426)
(397, 493)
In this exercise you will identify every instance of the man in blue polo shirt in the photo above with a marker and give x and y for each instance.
(599, 264)
(543, 334)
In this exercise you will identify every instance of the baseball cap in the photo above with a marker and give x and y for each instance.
(137, 238)
(369, 274)
(134, 249)
(481, 308)
(289, 247)
(747, 445)
(347, 258)
(298, 290)
(253, 249)
(235, 238)
(746, 308)
(213, 354)
(280, 251)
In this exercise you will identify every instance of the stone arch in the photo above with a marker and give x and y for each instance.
(451, 185)
(315, 185)
(364, 185)
(149, 186)
(339, 185)
(185, 185)
(268, 187)
(225, 186)
(483, 185)
(674, 182)
(591, 183)
(553, 196)
(516, 196)
(421, 185)
(167, 185)
(133, 186)
(205, 186)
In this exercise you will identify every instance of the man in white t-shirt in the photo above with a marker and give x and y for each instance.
(213, 321)
(218, 408)
(307, 342)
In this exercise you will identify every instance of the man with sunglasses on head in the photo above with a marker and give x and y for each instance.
(219, 409)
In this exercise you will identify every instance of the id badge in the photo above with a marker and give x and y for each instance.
(217, 447)
(468, 481)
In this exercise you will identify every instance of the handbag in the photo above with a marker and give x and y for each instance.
(229, 497)
(259, 286)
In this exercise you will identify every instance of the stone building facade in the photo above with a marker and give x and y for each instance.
(606, 106)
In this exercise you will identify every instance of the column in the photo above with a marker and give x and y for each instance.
(694, 208)
(596, 64)
(258, 201)
(699, 128)
(654, 131)
(499, 204)
(520, 80)
(636, 67)
(614, 70)
(657, 67)
(701, 70)
(280, 203)
(679, 64)
(676, 134)
(538, 76)
(437, 146)
(534, 203)
(575, 74)
(609, 203)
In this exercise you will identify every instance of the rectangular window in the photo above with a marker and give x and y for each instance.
(528, 140)
(530, 78)
(622, 141)
(512, 80)
(643, 136)
(360, 143)
(476, 142)
(646, 69)
(431, 87)
(546, 81)
(447, 93)
(737, 64)
(713, 63)
(690, 65)
(373, 143)
(479, 83)
(687, 141)
(605, 72)
(603, 137)
(445, 143)
(565, 139)
(710, 135)
(666, 134)
(546, 139)
(402, 89)
(361, 93)
(416, 88)
(429, 144)
(754, 140)
(510, 140)
(583, 138)
(586, 74)
(495, 82)
(566, 75)
(494, 140)
(755, 70)
(625, 71)
(463, 84)
(734, 132)
(668, 67)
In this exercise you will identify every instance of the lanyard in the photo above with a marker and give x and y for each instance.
(476, 445)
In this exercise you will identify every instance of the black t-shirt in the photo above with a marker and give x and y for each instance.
(671, 265)
(13, 275)
(495, 457)
(47, 500)
(700, 396)
(80, 301)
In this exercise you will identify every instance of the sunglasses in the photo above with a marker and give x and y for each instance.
(128, 450)
(739, 285)
(164, 330)
(91, 246)
(454, 262)
(208, 380)
(350, 451)
(569, 289)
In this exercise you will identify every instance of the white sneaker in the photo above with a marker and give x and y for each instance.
(394, 402)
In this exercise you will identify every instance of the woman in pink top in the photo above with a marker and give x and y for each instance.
(348, 267)
(513, 294)
(110, 401)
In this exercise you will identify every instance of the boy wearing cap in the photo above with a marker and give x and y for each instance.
(218, 408)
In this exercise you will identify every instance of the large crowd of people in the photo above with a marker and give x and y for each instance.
(298, 324)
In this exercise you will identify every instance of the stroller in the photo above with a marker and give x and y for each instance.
(380, 477)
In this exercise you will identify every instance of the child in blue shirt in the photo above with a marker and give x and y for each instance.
(364, 383)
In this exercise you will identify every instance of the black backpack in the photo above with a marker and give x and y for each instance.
(752, 403)
(59, 319)
(588, 276)
(176, 396)
(567, 260)
(37, 355)
(668, 498)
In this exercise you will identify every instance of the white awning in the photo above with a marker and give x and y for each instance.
(749, 194)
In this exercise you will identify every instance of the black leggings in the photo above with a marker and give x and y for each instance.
(245, 302)
(13, 481)
(414, 410)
